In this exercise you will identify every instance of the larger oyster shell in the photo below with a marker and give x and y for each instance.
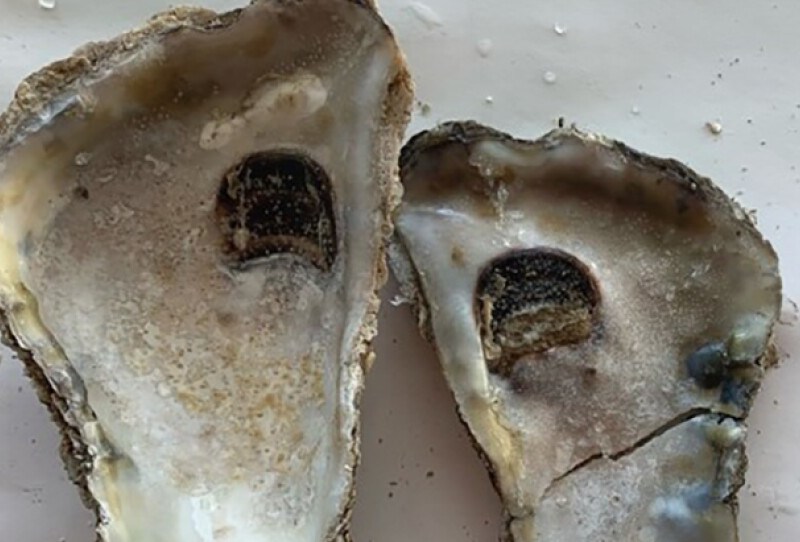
(603, 318)
(192, 226)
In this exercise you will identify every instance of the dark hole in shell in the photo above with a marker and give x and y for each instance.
(529, 301)
(277, 203)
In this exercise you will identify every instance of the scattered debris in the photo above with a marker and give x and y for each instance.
(484, 47)
(715, 127)
(399, 300)
(82, 159)
(426, 14)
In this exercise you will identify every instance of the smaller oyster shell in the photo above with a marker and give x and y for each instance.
(603, 320)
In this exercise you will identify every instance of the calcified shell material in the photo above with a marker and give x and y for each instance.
(603, 319)
(192, 223)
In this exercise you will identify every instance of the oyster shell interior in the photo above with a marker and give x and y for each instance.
(191, 239)
(603, 319)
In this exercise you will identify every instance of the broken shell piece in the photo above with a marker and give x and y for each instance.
(671, 488)
(587, 303)
(200, 327)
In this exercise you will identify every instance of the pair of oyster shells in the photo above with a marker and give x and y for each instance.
(193, 226)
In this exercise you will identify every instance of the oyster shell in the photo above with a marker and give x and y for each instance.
(192, 231)
(603, 319)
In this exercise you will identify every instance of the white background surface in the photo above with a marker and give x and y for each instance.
(649, 72)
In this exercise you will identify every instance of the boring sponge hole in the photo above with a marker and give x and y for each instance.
(278, 202)
(529, 301)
